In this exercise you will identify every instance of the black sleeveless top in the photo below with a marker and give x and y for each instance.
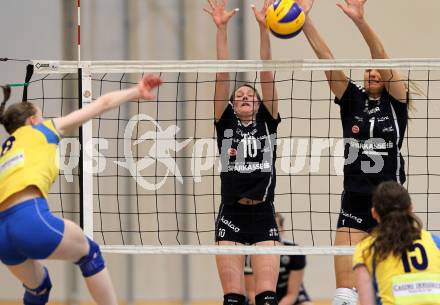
(247, 155)
(373, 134)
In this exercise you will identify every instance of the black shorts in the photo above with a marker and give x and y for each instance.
(246, 224)
(356, 211)
(302, 296)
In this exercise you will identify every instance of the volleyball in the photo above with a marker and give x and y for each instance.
(285, 18)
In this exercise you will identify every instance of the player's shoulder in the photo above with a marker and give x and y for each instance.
(356, 86)
(365, 243)
(49, 131)
(354, 89)
(427, 236)
(227, 114)
(362, 254)
(354, 92)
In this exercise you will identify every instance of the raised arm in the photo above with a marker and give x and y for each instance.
(337, 80)
(394, 84)
(269, 91)
(107, 102)
(221, 17)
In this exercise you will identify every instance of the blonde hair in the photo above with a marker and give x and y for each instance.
(413, 89)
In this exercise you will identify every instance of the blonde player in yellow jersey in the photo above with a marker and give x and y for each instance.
(400, 262)
(28, 167)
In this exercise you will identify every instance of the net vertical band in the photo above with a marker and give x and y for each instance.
(86, 162)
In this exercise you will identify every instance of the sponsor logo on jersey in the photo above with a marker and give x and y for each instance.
(374, 110)
(230, 225)
(12, 163)
(355, 129)
(232, 152)
(383, 119)
(351, 216)
(251, 167)
(388, 129)
(273, 232)
(268, 300)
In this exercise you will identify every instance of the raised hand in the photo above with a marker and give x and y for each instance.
(354, 9)
(147, 84)
(260, 15)
(306, 5)
(219, 14)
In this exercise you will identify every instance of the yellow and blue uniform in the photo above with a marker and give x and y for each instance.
(413, 278)
(29, 158)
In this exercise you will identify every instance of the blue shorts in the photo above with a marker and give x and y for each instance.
(29, 231)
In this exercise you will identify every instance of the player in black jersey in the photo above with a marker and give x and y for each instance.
(374, 120)
(290, 288)
(246, 127)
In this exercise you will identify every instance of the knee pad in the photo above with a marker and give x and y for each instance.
(345, 296)
(266, 298)
(93, 262)
(234, 299)
(39, 295)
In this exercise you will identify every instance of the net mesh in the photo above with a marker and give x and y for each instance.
(56, 95)
(156, 168)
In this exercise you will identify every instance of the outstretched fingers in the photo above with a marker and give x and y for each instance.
(266, 5)
(260, 15)
(353, 8)
(232, 13)
(208, 11)
(218, 12)
(211, 5)
(254, 9)
(343, 7)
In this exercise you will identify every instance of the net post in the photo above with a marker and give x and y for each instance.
(86, 162)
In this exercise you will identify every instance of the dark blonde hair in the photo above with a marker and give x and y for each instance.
(398, 227)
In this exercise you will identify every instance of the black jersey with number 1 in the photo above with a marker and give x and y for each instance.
(373, 135)
(248, 154)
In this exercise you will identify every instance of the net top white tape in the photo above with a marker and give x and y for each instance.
(229, 250)
(213, 66)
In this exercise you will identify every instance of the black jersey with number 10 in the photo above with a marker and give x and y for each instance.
(247, 154)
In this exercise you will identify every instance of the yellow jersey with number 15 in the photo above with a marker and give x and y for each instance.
(412, 279)
(29, 157)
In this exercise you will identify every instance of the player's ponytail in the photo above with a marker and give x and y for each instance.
(6, 95)
(398, 227)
